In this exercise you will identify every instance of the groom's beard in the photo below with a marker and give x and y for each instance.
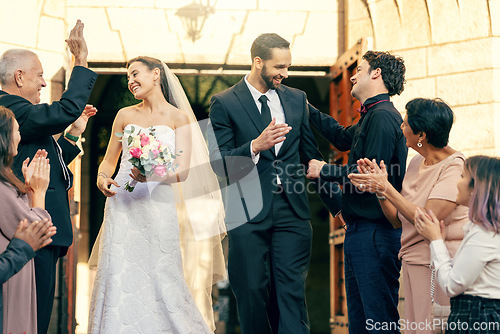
(268, 79)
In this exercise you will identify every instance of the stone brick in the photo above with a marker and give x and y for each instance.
(217, 36)
(425, 87)
(274, 23)
(10, 14)
(235, 5)
(52, 63)
(116, 3)
(415, 62)
(460, 57)
(51, 34)
(474, 127)
(103, 43)
(415, 27)
(358, 29)
(387, 33)
(452, 21)
(356, 10)
(287, 5)
(495, 16)
(474, 22)
(496, 125)
(496, 84)
(314, 47)
(54, 8)
(146, 32)
(170, 5)
(466, 88)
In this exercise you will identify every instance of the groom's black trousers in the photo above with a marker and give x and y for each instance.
(278, 248)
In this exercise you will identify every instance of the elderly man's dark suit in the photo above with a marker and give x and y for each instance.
(37, 124)
(268, 225)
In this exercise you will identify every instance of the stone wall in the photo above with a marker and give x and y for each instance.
(451, 49)
(119, 30)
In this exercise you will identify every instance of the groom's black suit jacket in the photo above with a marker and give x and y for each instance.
(236, 121)
(37, 124)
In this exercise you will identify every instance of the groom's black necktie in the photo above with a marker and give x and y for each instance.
(265, 112)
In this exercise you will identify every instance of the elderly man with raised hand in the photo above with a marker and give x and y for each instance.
(21, 78)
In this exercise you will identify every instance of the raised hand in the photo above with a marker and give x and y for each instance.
(272, 135)
(28, 168)
(79, 126)
(77, 45)
(104, 182)
(428, 225)
(37, 234)
(371, 177)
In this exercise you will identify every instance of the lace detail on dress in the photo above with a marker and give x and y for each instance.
(139, 285)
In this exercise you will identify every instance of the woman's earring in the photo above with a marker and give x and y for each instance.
(155, 82)
(419, 144)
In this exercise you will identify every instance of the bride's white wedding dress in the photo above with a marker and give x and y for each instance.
(139, 286)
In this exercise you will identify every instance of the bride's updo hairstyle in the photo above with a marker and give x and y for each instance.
(153, 63)
(6, 156)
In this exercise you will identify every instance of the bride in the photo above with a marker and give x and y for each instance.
(158, 252)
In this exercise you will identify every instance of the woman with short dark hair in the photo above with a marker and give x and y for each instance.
(472, 278)
(430, 183)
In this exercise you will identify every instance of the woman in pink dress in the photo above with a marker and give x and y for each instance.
(20, 201)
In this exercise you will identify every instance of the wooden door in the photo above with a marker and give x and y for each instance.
(343, 107)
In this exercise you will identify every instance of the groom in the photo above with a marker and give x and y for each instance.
(263, 137)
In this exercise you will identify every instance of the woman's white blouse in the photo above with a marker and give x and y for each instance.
(475, 269)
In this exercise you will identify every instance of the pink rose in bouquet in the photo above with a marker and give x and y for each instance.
(135, 152)
(148, 154)
(144, 139)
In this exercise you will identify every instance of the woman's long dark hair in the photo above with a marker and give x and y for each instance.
(6, 155)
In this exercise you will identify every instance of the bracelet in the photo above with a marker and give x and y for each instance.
(380, 197)
(70, 136)
(103, 175)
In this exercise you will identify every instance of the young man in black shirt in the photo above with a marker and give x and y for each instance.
(371, 244)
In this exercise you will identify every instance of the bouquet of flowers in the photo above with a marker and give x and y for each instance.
(149, 154)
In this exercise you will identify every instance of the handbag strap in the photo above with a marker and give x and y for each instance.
(433, 282)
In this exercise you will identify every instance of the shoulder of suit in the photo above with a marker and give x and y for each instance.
(8, 100)
(82, 70)
(225, 92)
(288, 89)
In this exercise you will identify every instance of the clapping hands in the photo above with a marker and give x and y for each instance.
(37, 234)
(371, 177)
(37, 172)
(428, 225)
